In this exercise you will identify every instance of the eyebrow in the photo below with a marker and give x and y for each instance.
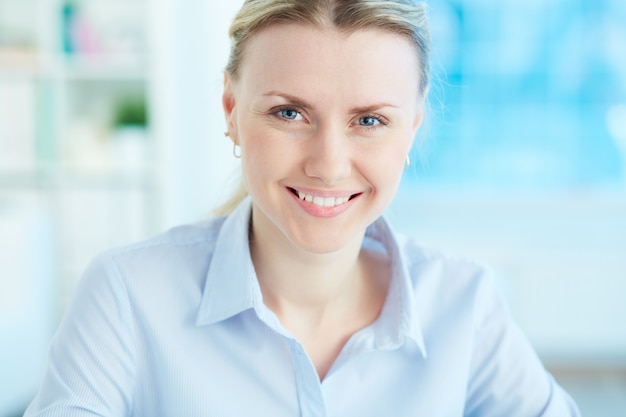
(291, 99)
(372, 108)
(296, 101)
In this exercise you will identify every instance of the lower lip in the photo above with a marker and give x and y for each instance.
(323, 212)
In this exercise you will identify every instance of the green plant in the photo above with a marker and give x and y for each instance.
(131, 112)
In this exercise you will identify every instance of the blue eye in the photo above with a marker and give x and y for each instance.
(289, 114)
(369, 121)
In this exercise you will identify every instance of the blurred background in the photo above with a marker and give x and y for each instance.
(111, 130)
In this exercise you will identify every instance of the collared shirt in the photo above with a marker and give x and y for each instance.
(176, 326)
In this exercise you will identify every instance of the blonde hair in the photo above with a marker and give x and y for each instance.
(403, 17)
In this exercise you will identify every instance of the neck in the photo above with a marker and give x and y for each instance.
(322, 299)
(295, 280)
(308, 281)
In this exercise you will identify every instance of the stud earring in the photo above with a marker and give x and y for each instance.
(236, 150)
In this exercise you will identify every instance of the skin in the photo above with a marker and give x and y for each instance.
(327, 114)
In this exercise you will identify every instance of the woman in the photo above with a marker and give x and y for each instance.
(302, 301)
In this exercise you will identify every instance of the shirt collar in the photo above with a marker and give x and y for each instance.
(399, 318)
(232, 287)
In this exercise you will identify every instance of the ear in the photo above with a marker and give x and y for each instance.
(228, 104)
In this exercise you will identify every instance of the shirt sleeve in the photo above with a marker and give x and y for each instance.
(506, 376)
(90, 366)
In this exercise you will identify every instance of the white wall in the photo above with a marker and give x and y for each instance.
(195, 160)
(27, 302)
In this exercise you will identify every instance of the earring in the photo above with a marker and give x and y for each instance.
(236, 154)
(407, 162)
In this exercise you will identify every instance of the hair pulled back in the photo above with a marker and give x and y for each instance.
(404, 17)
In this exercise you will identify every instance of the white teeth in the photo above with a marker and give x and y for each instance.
(323, 201)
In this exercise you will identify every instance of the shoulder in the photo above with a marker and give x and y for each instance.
(447, 281)
(182, 236)
(422, 260)
(179, 238)
(180, 251)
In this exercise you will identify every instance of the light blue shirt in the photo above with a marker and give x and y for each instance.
(176, 326)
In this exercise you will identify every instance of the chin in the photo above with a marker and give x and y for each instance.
(321, 248)
(326, 240)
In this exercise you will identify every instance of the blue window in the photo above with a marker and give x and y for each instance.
(526, 95)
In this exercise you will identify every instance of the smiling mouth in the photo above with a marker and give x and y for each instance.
(322, 201)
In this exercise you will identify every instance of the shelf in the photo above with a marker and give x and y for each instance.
(104, 68)
(46, 181)
(121, 181)
(18, 57)
(68, 71)
(23, 64)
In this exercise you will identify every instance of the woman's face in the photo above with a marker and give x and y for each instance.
(325, 121)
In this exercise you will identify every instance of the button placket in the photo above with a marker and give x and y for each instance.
(310, 395)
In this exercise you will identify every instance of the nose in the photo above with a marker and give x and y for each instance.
(329, 158)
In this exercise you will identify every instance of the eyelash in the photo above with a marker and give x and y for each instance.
(381, 120)
(278, 112)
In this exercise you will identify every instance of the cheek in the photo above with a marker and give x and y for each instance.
(252, 167)
(264, 156)
(383, 172)
(387, 170)
(388, 161)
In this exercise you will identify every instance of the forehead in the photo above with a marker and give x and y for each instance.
(324, 61)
